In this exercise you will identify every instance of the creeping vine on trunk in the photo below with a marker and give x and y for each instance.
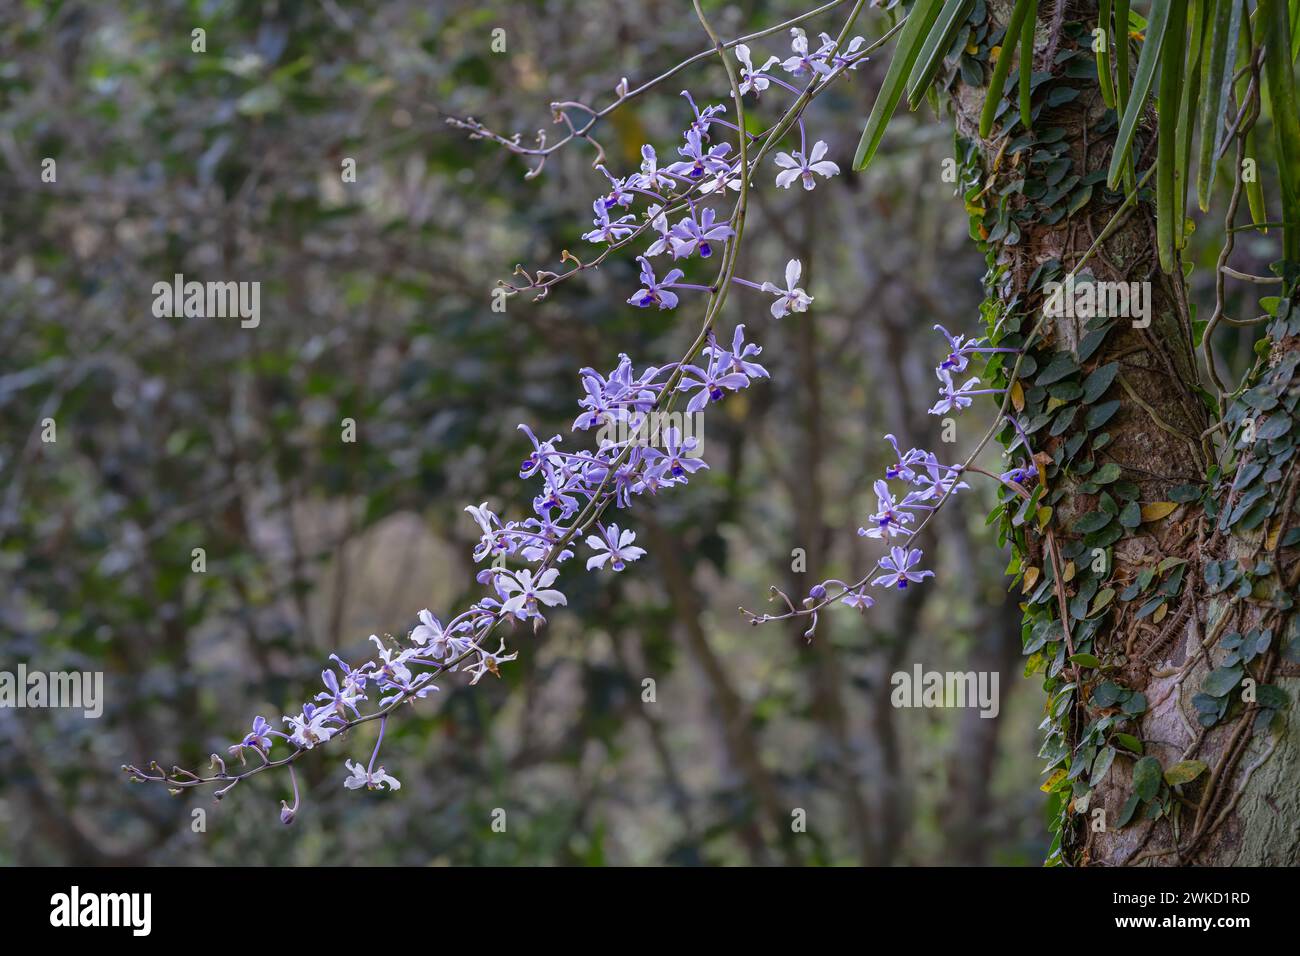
(1155, 543)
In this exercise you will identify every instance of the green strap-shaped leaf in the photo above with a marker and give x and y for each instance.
(1295, 30)
(1255, 186)
(937, 41)
(1142, 80)
(910, 39)
(1197, 12)
(1000, 70)
(1279, 84)
(1217, 66)
(1027, 30)
(1122, 80)
(1167, 147)
(1103, 55)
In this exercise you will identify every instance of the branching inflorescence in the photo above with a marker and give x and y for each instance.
(679, 202)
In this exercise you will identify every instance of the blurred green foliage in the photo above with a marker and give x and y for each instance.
(176, 434)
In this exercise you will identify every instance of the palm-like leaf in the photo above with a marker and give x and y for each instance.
(1279, 82)
(936, 43)
(998, 83)
(910, 40)
(1167, 151)
(1191, 51)
(1142, 80)
(1103, 55)
(1027, 62)
(1216, 77)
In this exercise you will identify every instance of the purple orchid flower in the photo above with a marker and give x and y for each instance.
(525, 592)
(1022, 475)
(740, 352)
(360, 777)
(391, 669)
(692, 235)
(751, 79)
(558, 495)
(608, 230)
(541, 451)
(651, 176)
(677, 455)
(712, 383)
(491, 541)
(659, 223)
(891, 515)
(613, 399)
(259, 739)
(802, 63)
(704, 118)
(597, 404)
(722, 182)
(405, 686)
(899, 564)
(615, 548)
(489, 662)
(961, 348)
(952, 397)
(937, 480)
(546, 535)
(843, 57)
(311, 727)
(654, 476)
(619, 194)
(655, 292)
(798, 166)
(435, 640)
(341, 697)
(429, 629)
(698, 160)
(859, 600)
(903, 467)
(791, 298)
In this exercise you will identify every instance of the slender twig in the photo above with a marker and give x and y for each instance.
(626, 96)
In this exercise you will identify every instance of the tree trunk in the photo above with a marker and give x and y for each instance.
(1151, 658)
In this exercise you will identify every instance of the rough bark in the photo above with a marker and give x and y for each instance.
(1245, 809)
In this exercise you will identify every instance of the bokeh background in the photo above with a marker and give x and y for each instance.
(174, 434)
